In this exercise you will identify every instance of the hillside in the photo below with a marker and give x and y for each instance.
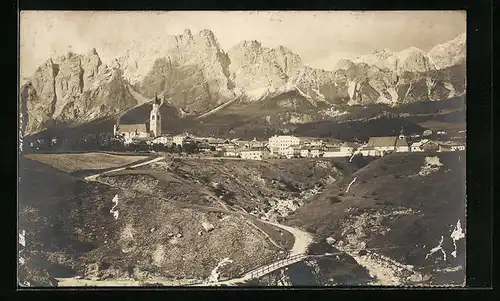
(271, 189)
(171, 222)
(397, 209)
(360, 130)
(71, 231)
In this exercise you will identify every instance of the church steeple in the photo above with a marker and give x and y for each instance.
(401, 134)
(155, 118)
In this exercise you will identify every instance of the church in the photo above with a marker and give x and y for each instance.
(141, 131)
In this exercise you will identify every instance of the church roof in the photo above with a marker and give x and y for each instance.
(393, 141)
(130, 128)
(401, 142)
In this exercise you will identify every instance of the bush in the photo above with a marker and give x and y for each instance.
(311, 229)
(341, 194)
(334, 200)
(362, 253)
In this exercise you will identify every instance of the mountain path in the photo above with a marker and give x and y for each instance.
(302, 239)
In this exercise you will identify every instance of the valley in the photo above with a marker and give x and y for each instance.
(311, 154)
(176, 219)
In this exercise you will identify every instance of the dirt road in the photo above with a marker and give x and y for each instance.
(302, 239)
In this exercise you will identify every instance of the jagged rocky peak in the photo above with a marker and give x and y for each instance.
(343, 64)
(382, 58)
(191, 69)
(254, 67)
(74, 88)
(413, 59)
(450, 53)
(185, 49)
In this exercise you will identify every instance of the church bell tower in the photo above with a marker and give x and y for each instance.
(155, 118)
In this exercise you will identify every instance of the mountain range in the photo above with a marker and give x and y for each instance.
(198, 78)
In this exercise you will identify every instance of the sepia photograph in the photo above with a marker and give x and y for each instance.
(242, 148)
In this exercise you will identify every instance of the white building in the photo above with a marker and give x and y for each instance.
(292, 152)
(255, 154)
(416, 147)
(450, 147)
(279, 144)
(335, 152)
(347, 147)
(179, 139)
(458, 147)
(256, 143)
(315, 152)
(162, 140)
(231, 153)
(131, 131)
(316, 143)
(304, 152)
(369, 152)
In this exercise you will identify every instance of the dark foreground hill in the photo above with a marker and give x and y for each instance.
(403, 207)
(70, 230)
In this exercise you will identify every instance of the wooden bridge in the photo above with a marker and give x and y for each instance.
(266, 269)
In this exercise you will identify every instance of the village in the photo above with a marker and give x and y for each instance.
(149, 137)
(281, 146)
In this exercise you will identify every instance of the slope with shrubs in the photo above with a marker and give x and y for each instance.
(399, 206)
(71, 231)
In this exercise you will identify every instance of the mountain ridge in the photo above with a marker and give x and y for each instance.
(196, 75)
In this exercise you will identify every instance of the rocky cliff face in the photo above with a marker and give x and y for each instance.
(196, 76)
(257, 70)
(191, 70)
(449, 54)
(410, 78)
(73, 88)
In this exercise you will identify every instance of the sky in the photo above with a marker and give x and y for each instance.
(320, 37)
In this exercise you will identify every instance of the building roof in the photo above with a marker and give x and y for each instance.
(129, 128)
(348, 144)
(332, 149)
(401, 142)
(284, 136)
(138, 139)
(450, 143)
(393, 141)
(162, 138)
(422, 142)
(254, 149)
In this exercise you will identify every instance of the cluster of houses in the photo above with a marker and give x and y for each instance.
(292, 147)
(278, 146)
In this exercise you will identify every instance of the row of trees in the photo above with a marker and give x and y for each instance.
(104, 142)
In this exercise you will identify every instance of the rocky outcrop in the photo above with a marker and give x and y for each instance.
(449, 54)
(257, 69)
(191, 70)
(73, 88)
(195, 76)
(408, 60)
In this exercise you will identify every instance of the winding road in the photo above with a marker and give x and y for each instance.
(302, 239)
